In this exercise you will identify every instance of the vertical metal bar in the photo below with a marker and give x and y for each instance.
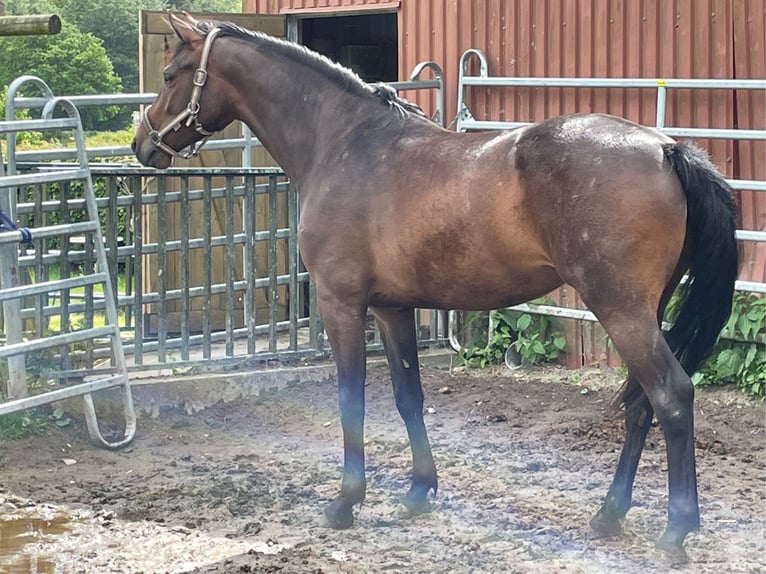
(247, 150)
(315, 324)
(207, 303)
(376, 340)
(63, 263)
(88, 268)
(41, 270)
(185, 271)
(272, 261)
(661, 104)
(138, 273)
(228, 214)
(292, 263)
(248, 228)
(9, 277)
(113, 224)
(127, 262)
(131, 184)
(440, 103)
(162, 261)
(433, 329)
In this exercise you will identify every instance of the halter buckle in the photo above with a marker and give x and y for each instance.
(200, 77)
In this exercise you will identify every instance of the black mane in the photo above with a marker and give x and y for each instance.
(344, 77)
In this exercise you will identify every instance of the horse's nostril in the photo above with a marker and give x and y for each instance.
(133, 145)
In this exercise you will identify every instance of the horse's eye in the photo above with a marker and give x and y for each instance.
(168, 78)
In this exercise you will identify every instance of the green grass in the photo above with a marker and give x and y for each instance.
(34, 141)
(77, 293)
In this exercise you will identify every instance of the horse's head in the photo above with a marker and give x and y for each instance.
(185, 113)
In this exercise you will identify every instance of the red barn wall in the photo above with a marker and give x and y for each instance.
(595, 38)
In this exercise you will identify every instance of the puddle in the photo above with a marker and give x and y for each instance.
(46, 539)
(20, 537)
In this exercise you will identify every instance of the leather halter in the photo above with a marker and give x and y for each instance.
(190, 114)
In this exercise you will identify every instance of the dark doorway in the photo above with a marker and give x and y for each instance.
(366, 43)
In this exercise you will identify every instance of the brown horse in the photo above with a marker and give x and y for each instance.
(398, 213)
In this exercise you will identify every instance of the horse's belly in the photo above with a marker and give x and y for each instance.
(454, 286)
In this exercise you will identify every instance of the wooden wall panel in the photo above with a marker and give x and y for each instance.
(154, 31)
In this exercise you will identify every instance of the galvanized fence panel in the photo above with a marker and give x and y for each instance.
(279, 334)
(175, 323)
(466, 122)
(82, 338)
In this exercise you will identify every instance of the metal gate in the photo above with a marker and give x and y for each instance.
(62, 345)
(174, 316)
(466, 122)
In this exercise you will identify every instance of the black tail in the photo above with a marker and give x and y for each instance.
(710, 225)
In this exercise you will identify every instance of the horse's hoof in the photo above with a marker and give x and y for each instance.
(604, 526)
(671, 554)
(415, 505)
(338, 515)
(670, 547)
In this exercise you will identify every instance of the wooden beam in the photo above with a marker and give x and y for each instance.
(29, 25)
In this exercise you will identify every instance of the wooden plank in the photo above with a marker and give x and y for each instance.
(36, 25)
(155, 22)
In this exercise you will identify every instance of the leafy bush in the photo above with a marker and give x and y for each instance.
(740, 358)
(535, 338)
(21, 424)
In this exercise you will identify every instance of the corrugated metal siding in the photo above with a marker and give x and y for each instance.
(319, 6)
(570, 38)
(750, 157)
(607, 38)
(598, 38)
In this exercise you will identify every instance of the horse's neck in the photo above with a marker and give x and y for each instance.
(300, 116)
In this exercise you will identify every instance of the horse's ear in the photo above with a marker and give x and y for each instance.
(184, 27)
(168, 52)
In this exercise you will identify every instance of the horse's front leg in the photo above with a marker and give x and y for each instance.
(345, 329)
(397, 329)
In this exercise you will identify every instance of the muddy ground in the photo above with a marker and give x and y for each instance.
(524, 458)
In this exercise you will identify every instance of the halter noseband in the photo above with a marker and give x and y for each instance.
(190, 113)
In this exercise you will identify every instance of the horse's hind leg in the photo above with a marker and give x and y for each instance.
(638, 419)
(670, 393)
(397, 329)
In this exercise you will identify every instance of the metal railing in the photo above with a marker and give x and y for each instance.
(246, 142)
(465, 121)
(94, 274)
(164, 233)
(160, 229)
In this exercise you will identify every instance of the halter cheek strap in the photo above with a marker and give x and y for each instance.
(190, 115)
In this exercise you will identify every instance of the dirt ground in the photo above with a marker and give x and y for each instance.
(524, 459)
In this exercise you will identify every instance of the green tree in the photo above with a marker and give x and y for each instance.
(116, 23)
(31, 7)
(70, 62)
